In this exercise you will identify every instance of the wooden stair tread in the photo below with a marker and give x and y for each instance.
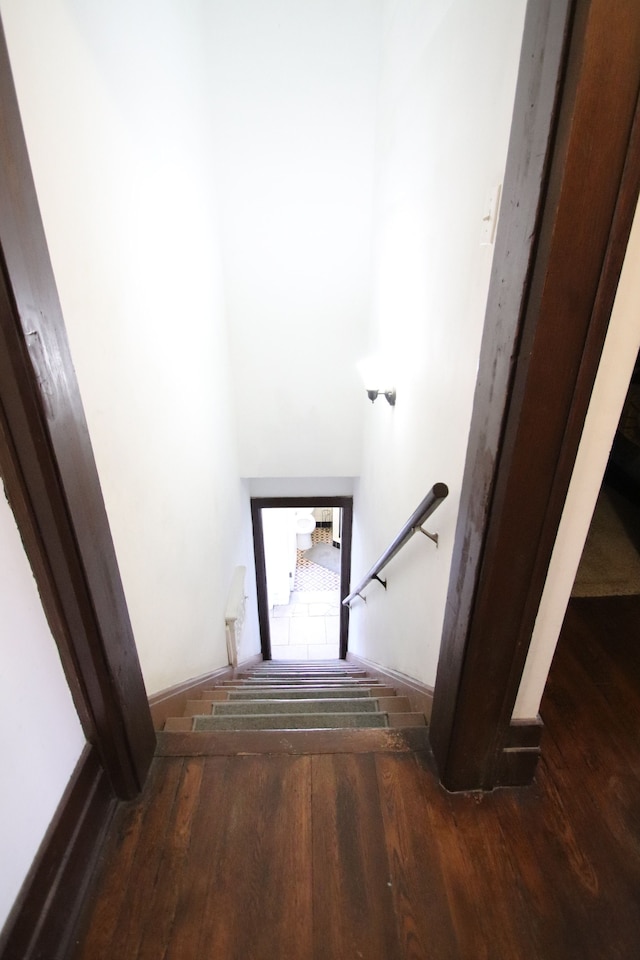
(241, 742)
(274, 707)
(291, 721)
(317, 705)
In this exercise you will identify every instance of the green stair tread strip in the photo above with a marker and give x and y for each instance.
(325, 704)
(297, 694)
(291, 721)
(303, 685)
(292, 678)
(244, 707)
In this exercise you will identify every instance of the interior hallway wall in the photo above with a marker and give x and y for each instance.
(446, 100)
(293, 98)
(40, 735)
(113, 99)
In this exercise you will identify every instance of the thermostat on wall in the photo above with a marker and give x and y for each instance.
(490, 216)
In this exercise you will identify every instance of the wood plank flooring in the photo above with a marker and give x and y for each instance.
(364, 857)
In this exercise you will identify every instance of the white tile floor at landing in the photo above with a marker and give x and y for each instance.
(308, 627)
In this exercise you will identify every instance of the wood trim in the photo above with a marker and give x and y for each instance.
(419, 694)
(345, 572)
(47, 910)
(260, 503)
(549, 310)
(171, 701)
(51, 478)
(261, 579)
(516, 766)
(517, 763)
(524, 734)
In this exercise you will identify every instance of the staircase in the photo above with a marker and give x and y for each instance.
(279, 696)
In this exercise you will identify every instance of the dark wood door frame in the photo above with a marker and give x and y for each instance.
(571, 190)
(51, 479)
(257, 506)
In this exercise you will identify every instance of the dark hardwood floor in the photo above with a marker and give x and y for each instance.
(347, 856)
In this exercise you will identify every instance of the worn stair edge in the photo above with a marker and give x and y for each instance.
(282, 721)
(292, 742)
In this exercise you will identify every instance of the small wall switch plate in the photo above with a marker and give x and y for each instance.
(490, 216)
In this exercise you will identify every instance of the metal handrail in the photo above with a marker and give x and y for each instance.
(431, 502)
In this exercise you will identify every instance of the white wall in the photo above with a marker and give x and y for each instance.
(113, 98)
(279, 553)
(40, 735)
(126, 106)
(446, 99)
(293, 99)
(610, 388)
(301, 486)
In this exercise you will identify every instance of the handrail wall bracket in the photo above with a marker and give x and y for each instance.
(432, 536)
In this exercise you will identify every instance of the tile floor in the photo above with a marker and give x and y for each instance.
(311, 576)
(308, 627)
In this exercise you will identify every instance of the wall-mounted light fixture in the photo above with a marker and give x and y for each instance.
(377, 380)
(389, 394)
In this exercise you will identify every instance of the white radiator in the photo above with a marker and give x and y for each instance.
(234, 614)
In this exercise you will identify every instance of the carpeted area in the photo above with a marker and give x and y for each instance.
(610, 564)
(326, 555)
